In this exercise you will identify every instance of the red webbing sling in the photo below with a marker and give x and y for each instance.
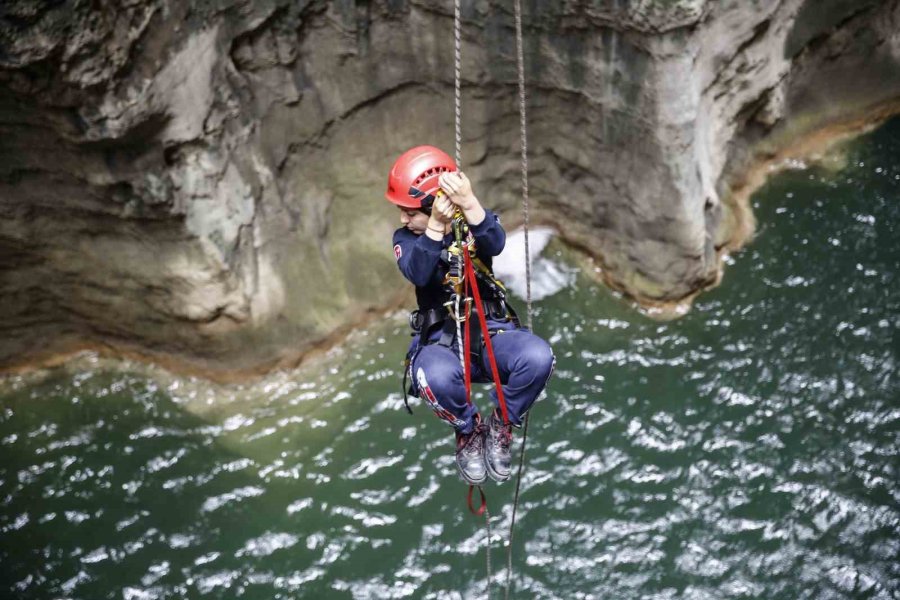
(472, 281)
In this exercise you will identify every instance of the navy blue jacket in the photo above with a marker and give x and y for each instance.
(419, 257)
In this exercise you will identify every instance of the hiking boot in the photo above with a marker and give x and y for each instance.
(496, 451)
(470, 454)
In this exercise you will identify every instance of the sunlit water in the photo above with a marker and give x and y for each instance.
(747, 450)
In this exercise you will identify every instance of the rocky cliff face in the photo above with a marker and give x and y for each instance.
(201, 181)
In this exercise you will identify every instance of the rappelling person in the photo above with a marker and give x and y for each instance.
(436, 201)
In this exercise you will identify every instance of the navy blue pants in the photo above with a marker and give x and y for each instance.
(524, 360)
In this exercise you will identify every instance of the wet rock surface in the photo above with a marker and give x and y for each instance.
(202, 181)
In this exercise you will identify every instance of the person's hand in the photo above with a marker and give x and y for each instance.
(442, 210)
(458, 189)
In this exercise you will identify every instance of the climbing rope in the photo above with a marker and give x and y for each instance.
(523, 132)
(457, 67)
(487, 526)
(457, 122)
(520, 63)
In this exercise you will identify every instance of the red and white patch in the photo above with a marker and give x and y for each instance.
(426, 394)
(398, 251)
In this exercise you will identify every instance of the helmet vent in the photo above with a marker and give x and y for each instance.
(429, 173)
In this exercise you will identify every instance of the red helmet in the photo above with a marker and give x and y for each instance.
(413, 180)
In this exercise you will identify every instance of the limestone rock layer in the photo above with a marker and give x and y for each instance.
(201, 182)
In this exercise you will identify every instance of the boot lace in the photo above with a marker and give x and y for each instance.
(501, 435)
(474, 442)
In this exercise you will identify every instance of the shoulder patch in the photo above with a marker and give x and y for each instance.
(398, 251)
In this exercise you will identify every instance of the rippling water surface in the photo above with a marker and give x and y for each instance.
(747, 450)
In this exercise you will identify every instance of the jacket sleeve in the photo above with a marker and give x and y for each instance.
(417, 256)
(489, 234)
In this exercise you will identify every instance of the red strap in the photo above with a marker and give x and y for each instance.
(467, 359)
(483, 506)
(470, 277)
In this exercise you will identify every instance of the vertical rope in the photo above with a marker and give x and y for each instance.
(457, 114)
(459, 339)
(457, 126)
(457, 67)
(524, 144)
(520, 63)
(512, 521)
(487, 526)
(457, 122)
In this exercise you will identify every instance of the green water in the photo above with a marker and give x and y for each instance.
(747, 450)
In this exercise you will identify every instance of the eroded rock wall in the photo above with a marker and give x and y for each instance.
(201, 181)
